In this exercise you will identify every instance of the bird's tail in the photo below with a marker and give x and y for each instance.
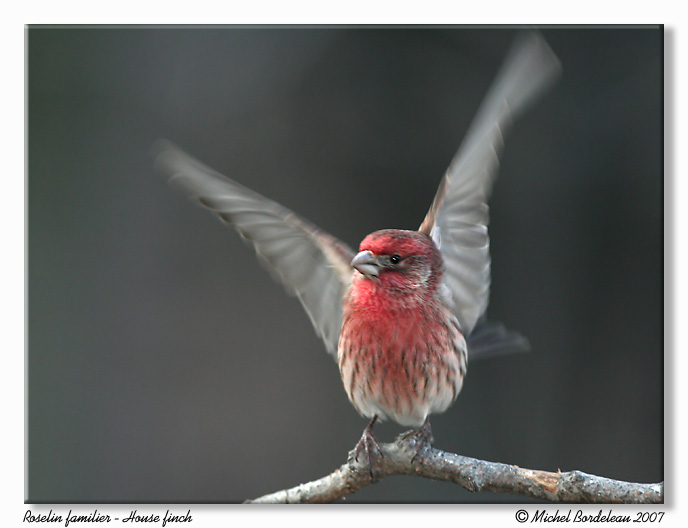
(489, 339)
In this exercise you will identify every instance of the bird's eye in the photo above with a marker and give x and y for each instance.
(395, 259)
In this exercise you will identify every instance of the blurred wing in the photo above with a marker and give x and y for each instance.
(310, 263)
(458, 216)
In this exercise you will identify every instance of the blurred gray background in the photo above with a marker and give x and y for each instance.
(163, 362)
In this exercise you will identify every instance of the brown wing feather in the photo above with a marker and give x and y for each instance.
(458, 217)
(310, 263)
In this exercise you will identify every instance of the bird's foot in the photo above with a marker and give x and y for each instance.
(421, 436)
(369, 444)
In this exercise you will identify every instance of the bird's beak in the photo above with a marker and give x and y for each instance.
(367, 264)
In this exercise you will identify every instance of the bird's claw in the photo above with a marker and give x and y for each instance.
(422, 437)
(369, 444)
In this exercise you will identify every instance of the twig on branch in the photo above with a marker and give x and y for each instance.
(470, 473)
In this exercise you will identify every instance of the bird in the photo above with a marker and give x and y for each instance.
(403, 313)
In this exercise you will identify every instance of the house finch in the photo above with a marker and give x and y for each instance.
(398, 313)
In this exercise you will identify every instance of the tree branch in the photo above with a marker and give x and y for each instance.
(470, 473)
